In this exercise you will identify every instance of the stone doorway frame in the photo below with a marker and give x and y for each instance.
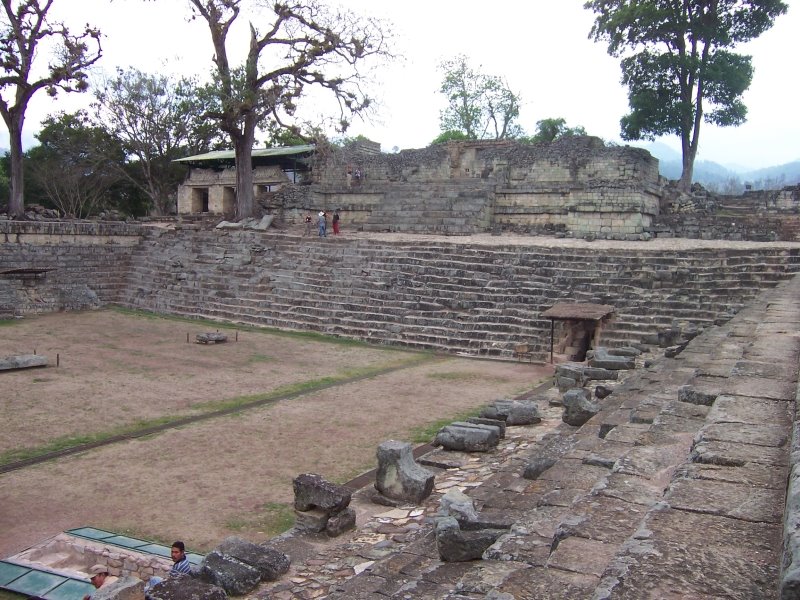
(578, 311)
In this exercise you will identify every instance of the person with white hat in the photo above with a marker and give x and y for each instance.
(322, 223)
(98, 575)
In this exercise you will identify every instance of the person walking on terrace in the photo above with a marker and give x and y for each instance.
(336, 222)
(322, 224)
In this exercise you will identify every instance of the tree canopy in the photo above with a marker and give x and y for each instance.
(76, 164)
(156, 118)
(24, 27)
(549, 130)
(478, 105)
(302, 45)
(677, 63)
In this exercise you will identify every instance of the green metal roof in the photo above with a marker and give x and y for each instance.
(31, 581)
(124, 541)
(225, 155)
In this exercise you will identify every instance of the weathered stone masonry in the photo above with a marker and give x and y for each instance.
(474, 299)
(46, 267)
(577, 185)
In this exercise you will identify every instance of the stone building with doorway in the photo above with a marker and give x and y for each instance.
(210, 187)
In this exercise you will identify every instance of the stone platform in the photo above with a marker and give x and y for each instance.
(682, 497)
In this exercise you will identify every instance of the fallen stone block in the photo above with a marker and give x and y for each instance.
(184, 588)
(602, 358)
(340, 522)
(22, 361)
(578, 408)
(602, 391)
(673, 351)
(314, 520)
(566, 383)
(127, 588)
(467, 437)
(399, 476)
(270, 563)
(687, 393)
(596, 374)
(232, 575)
(513, 412)
(625, 351)
(499, 423)
(537, 466)
(313, 491)
(211, 338)
(457, 504)
(455, 545)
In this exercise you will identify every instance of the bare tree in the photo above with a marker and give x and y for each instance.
(24, 26)
(304, 45)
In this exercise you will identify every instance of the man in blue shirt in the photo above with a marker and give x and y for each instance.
(181, 563)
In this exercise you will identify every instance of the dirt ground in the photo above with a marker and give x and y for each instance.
(224, 475)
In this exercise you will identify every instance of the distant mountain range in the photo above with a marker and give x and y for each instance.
(726, 180)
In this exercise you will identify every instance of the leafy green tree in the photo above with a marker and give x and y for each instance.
(549, 130)
(450, 135)
(24, 24)
(302, 45)
(478, 105)
(76, 164)
(156, 119)
(678, 65)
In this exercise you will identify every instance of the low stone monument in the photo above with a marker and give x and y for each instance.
(22, 361)
(321, 505)
(399, 477)
(211, 338)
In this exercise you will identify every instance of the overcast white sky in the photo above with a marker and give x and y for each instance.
(541, 47)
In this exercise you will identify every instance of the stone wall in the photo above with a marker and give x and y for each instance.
(476, 300)
(763, 215)
(576, 185)
(52, 266)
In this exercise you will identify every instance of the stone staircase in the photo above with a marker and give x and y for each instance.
(458, 207)
(459, 298)
(676, 489)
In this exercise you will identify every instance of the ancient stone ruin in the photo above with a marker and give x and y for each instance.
(663, 465)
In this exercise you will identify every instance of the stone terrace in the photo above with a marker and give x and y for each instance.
(676, 489)
(478, 299)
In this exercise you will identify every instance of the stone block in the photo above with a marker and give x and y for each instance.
(340, 522)
(578, 407)
(232, 575)
(313, 521)
(185, 588)
(538, 465)
(467, 437)
(313, 491)
(513, 412)
(455, 545)
(399, 476)
(270, 563)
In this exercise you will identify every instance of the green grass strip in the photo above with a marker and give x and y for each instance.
(312, 336)
(203, 411)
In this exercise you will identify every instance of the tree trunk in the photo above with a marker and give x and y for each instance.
(16, 202)
(685, 182)
(243, 146)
